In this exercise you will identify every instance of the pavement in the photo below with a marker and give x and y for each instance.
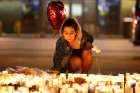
(117, 55)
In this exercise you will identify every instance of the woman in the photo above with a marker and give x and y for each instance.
(73, 48)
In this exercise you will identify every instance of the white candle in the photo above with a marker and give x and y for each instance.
(71, 90)
(10, 89)
(85, 88)
(2, 89)
(23, 89)
(55, 82)
(63, 90)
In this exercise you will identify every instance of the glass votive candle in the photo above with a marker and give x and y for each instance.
(10, 89)
(63, 90)
(23, 89)
(3, 89)
(71, 90)
(55, 82)
(84, 88)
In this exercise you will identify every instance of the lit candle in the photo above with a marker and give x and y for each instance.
(55, 82)
(50, 83)
(63, 90)
(85, 88)
(23, 89)
(2, 89)
(16, 91)
(71, 90)
(10, 89)
(118, 90)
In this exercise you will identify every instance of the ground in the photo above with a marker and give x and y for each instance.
(117, 55)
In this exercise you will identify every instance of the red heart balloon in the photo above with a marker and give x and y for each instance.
(56, 15)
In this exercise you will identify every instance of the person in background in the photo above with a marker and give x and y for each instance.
(73, 48)
(1, 27)
(18, 27)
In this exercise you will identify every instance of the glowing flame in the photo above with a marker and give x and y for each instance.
(96, 50)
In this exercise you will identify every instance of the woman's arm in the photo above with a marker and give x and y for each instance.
(60, 57)
(89, 37)
(88, 40)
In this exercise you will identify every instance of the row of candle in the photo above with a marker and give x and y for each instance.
(93, 84)
(66, 83)
(21, 83)
(132, 84)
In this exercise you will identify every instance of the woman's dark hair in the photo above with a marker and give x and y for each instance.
(69, 22)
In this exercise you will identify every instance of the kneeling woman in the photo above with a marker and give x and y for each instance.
(73, 48)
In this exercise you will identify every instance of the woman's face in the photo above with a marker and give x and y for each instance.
(69, 34)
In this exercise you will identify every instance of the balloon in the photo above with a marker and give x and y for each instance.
(55, 14)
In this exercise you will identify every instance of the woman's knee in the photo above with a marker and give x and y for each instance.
(75, 64)
(87, 58)
(87, 55)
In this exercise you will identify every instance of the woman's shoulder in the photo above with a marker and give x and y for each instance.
(61, 45)
(87, 36)
(61, 42)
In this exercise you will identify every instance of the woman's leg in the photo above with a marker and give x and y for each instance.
(87, 60)
(75, 64)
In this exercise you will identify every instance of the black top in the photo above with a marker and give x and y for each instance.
(63, 51)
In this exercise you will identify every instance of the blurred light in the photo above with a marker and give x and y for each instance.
(127, 19)
(96, 50)
(135, 21)
(138, 17)
(76, 9)
(134, 25)
(67, 9)
(35, 5)
(103, 7)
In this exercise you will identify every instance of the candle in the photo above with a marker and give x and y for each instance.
(77, 87)
(50, 83)
(10, 89)
(118, 90)
(63, 90)
(71, 90)
(23, 90)
(85, 88)
(2, 89)
(55, 82)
